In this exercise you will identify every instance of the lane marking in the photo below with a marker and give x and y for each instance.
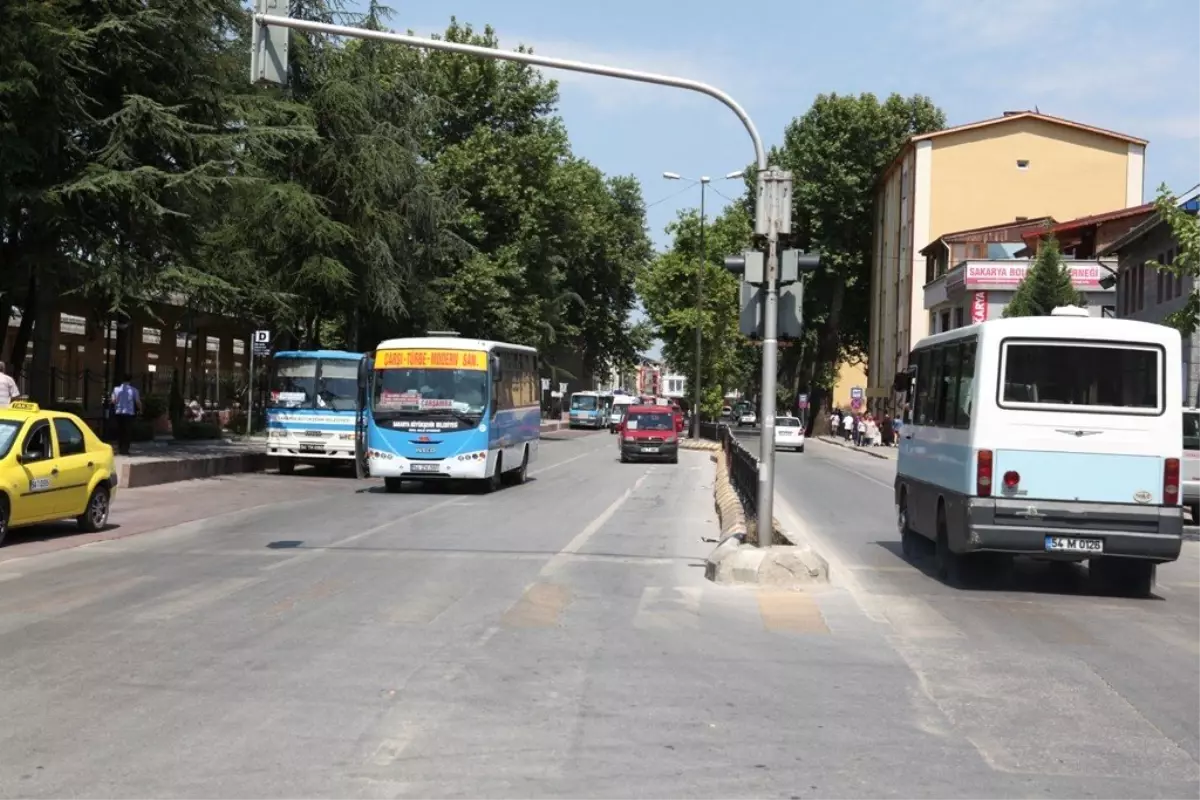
(794, 612)
(581, 538)
(191, 598)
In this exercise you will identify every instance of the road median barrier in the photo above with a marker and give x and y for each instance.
(737, 558)
(869, 451)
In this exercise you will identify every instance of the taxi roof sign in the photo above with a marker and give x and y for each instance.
(24, 405)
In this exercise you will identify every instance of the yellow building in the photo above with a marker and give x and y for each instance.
(1023, 165)
(849, 376)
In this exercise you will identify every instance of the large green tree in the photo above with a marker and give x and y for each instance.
(837, 150)
(1046, 286)
(668, 293)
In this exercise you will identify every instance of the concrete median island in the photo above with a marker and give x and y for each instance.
(737, 558)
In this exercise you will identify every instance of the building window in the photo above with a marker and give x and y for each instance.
(1158, 282)
(1022, 163)
(958, 317)
(945, 321)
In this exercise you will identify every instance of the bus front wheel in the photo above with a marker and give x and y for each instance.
(520, 475)
(286, 465)
(392, 485)
(494, 481)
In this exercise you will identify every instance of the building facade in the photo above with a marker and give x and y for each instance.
(1018, 167)
(979, 290)
(1150, 295)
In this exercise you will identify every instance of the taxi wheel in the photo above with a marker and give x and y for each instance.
(3, 518)
(95, 516)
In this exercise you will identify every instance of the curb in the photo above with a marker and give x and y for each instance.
(699, 444)
(736, 559)
(174, 470)
(844, 446)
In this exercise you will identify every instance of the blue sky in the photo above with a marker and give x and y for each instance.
(1130, 67)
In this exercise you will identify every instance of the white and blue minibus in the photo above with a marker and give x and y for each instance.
(1055, 437)
(443, 407)
(310, 409)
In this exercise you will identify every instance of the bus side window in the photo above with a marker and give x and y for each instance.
(947, 385)
(923, 405)
(966, 384)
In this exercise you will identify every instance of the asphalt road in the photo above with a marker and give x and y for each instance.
(1039, 676)
(312, 636)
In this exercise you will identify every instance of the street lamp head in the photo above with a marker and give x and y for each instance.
(741, 173)
(705, 179)
(671, 176)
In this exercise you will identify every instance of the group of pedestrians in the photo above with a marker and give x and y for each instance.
(865, 429)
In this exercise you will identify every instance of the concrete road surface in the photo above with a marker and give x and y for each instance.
(312, 636)
(1040, 676)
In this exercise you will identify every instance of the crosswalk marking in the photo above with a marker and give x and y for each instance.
(795, 612)
(670, 607)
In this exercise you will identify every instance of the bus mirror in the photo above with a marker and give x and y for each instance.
(364, 370)
(497, 373)
(902, 382)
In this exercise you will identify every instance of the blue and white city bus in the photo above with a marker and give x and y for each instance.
(311, 407)
(442, 407)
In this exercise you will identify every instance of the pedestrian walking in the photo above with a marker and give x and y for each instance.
(9, 390)
(127, 404)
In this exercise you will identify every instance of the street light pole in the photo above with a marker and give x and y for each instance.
(697, 392)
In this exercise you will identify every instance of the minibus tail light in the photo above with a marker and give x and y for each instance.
(983, 473)
(1011, 479)
(1171, 481)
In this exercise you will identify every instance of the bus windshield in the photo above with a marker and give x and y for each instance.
(583, 402)
(430, 392)
(308, 383)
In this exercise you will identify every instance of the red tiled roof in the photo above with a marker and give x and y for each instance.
(1094, 219)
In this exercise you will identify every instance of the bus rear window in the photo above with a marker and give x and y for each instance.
(1097, 376)
(1191, 430)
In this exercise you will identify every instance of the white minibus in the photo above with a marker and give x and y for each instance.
(1055, 437)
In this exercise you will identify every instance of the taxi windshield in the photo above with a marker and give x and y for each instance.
(8, 435)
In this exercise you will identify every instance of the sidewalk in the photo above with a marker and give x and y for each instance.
(167, 460)
(885, 453)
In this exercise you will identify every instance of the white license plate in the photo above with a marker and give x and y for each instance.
(1070, 544)
(649, 449)
(424, 467)
(312, 448)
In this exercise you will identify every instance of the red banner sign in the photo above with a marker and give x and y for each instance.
(979, 311)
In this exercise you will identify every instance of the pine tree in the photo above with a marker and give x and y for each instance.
(1047, 285)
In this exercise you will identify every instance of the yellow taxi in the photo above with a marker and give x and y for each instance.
(52, 467)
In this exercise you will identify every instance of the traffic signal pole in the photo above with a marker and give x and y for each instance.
(269, 60)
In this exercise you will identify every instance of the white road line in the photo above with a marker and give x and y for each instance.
(557, 561)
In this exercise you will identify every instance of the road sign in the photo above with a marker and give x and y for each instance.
(545, 384)
(856, 393)
(802, 401)
(261, 344)
(562, 388)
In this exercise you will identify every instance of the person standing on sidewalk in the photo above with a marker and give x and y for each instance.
(127, 404)
(9, 390)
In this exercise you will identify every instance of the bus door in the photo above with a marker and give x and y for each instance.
(361, 463)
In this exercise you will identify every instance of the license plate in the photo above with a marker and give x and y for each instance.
(649, 449)
(312, 448)
(424, 467)
(1069, 544)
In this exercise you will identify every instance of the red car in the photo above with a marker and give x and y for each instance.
(649, 433)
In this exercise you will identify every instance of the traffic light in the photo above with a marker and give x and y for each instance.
(750, 265)
(792, 263)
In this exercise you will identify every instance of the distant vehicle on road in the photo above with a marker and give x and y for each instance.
(1055, 437)
(441, 407)
(747, 417)
(789, 434)
(52, 467)
(648, 433)
(311, 407)
(1191, 462)
(589, 410)
(621, 404)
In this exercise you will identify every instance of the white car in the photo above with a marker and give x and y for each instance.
(748, 418)
(789, 434)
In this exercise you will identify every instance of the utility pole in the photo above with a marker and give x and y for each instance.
(697, 392)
